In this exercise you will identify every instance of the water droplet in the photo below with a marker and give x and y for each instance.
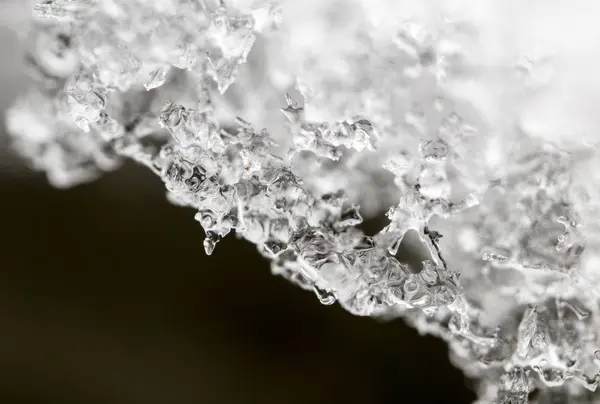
(429, 273)
(410, 287)
(445, 295)
(210, 242)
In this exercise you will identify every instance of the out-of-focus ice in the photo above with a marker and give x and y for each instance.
(472, 124)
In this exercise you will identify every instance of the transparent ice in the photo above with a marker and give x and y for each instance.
(472, 123)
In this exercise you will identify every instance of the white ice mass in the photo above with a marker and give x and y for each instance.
(472, 123)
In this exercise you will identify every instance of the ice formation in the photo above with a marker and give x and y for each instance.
(288, 121)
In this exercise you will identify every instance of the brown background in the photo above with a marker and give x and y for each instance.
(107, 297)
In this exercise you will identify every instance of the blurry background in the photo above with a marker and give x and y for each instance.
(106, 297)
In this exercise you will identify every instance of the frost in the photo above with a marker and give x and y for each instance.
(288, 124)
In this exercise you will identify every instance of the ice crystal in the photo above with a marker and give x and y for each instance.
(287, 122)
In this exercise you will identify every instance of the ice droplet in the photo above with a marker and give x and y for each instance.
(326, 297)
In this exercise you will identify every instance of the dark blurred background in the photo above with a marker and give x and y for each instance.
(106, 297)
